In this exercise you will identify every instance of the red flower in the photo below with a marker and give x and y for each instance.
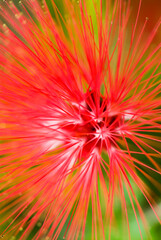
(80, 109)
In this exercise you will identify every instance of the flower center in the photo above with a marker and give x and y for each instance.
(97, 127)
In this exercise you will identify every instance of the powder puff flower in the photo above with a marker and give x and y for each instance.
(80, 123)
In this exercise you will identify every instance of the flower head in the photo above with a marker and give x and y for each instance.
(80, 116)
